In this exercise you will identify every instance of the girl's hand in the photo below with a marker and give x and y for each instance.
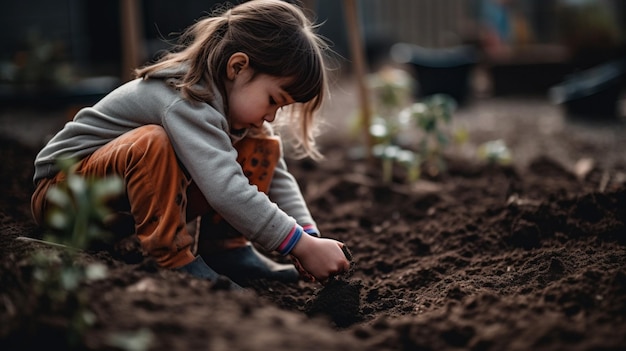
(321, 257)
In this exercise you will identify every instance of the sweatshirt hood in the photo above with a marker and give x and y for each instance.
(172, 76)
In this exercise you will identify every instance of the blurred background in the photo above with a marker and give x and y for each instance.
(69, 53)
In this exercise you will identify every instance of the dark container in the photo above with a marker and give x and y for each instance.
(592, 93)
(439, 71)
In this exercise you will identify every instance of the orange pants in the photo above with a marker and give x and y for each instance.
(160, 196)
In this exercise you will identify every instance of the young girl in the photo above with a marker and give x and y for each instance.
(189, 137)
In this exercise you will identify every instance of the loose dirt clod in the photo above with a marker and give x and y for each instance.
(340, 300)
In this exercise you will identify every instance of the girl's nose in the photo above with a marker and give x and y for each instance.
(271, 116)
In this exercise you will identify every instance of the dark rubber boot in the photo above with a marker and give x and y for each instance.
(199, 269)
(245, 264)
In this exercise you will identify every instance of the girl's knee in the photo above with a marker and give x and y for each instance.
(151, 134)
(147, 147)
(152, 138)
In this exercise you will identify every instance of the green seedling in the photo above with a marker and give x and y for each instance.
(416, 138)
(391, 155)
(432, 117)
(411, 162)
(391, 89)
(386, 153)
(78, 209)
(410, 134)
(138, 340)
(495, 152)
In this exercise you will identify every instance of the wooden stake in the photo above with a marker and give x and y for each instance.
(132, 43)
(358, 57)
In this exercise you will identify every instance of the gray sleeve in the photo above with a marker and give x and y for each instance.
(285, 191)
(198, 135)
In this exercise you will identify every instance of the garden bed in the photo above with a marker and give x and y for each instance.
(484, 257)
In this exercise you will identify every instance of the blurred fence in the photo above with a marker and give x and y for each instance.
(430, 23)
(87, 35)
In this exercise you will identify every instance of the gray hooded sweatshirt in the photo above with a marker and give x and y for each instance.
(199, 133)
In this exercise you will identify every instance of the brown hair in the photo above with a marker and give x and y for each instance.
(279, 40)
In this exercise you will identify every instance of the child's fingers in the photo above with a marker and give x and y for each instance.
(303, 272)
(306, 276)
(346, 252)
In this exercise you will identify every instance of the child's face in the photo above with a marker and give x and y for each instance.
(252, 102)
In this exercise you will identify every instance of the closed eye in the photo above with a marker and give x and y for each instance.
(272, 101)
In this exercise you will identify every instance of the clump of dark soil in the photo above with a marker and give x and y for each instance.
(340, 300)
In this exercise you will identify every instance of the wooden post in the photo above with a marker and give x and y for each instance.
(132, 37)
(358, 58)
(309, 7)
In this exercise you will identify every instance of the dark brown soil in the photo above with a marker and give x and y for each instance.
(530, 256)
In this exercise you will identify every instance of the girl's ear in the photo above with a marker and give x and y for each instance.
(236, 63)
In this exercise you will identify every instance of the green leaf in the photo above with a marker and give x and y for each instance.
(59, 197)
(95, 271)
(442, 138)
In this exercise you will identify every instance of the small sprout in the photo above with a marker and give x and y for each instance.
(139, 340)
(390, 152)
(421, 128)
(379, 129)
(391, 87)
(95, 271)
(432, 118)
(460, 135)
(379, 150)
(70, 278)
(75, 220)
(405, 117)
(495, 151)
(405, 156)
(79, 207)
(387, 153)
(411, 162)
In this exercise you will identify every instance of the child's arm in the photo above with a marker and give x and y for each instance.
(285, 192)
(319, 258)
